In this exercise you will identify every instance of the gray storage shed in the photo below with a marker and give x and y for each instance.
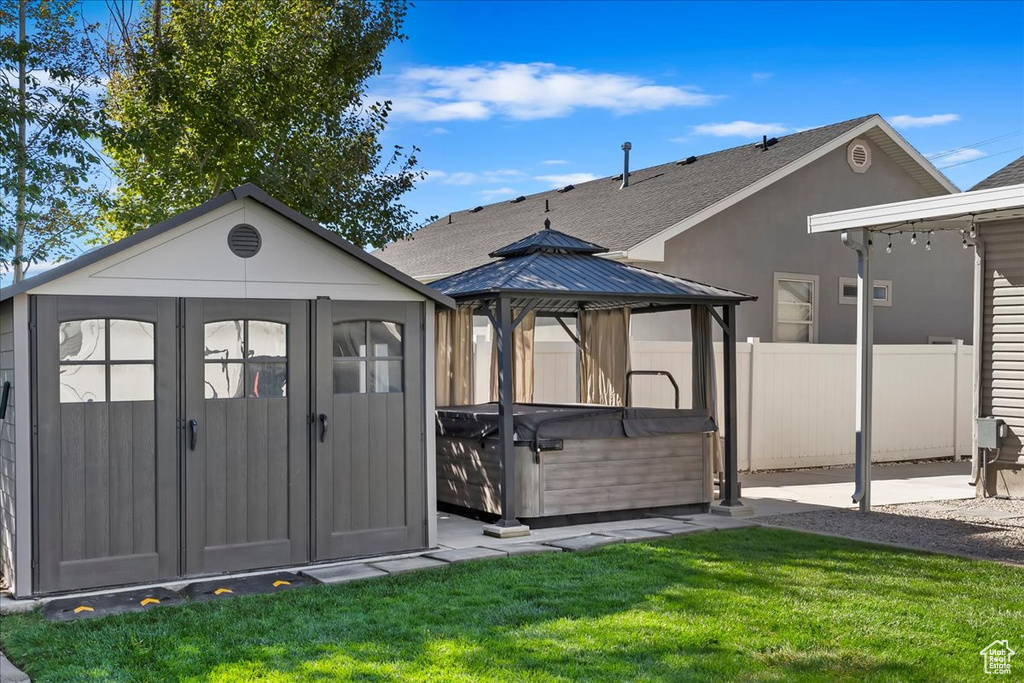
(234, 388)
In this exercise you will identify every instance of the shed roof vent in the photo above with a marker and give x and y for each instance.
(686, 162)
(567, 188)
(244, 241)
(518, 199)
(476, 209)
(858, 155)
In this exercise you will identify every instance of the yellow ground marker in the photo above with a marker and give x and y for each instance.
(282, 583)
(221, 591)
(83, 608)
(149, 601)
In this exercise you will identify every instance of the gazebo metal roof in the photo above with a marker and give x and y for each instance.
(561, 273)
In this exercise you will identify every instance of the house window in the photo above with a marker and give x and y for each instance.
(367, 356)
(245, 359)
(106, 359)
(848, 291)
(796, 307)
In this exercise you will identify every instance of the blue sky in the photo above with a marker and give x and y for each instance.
(509, 98)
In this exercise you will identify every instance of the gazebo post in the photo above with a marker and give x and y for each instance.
(731, 489)
(506, 428)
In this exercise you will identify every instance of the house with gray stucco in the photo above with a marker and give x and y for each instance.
(739, 217)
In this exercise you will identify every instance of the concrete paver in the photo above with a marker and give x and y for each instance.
(578, 544)
(636, 534)
(409, 564)
(458, 555)
(10, 673)
(344, 573)
(517, 549)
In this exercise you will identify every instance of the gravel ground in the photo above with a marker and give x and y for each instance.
(985, 528)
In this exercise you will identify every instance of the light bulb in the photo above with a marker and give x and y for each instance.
(888, 247)
(928, 244)
(973, 233)
(913, 238)
(965, 242)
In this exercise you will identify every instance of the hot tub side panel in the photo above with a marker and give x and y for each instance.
(586, 476)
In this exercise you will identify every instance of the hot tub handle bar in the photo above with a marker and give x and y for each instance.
(650, 373)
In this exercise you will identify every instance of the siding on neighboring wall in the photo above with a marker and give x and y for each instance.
(743, 246)
(1002, 325)
(7, 497)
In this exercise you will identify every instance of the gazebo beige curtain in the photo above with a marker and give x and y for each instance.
(522, 360)
(453, 360)
(705, 383)
(604, 338)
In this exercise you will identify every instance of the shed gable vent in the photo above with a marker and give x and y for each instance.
(244, 241)
(858, 155)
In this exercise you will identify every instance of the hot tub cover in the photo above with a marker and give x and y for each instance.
(533, 421)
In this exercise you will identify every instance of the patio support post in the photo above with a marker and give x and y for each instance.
(731, 489)
(506, 444)
(865, 354)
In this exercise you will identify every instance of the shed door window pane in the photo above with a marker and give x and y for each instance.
(795, 313)
(266, 380)
(267, 340)
(367, 357)
(131, 382)
(83, 383)
(131, 340)
(224, 339)
(223, 380)
(83, 340)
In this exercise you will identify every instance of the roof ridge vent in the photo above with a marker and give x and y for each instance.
(477, 209)
(567, 188)
(518, 199)
(686, 162)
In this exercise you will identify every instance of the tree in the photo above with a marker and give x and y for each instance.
(204, 96)
(49, 83)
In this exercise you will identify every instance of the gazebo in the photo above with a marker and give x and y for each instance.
(550, 274)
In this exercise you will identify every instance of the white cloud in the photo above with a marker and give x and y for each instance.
(525, 91)
(438, 131)
(563, 179)
(464, 178)
(953, 157)
(499, 192)
(761, 76)
(740, 129)
(554, 162)
(907, 121)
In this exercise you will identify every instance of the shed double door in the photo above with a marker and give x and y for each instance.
(107, 453)
(368, 456)
(246, 434)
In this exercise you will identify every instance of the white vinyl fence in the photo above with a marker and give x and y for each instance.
(796, 401)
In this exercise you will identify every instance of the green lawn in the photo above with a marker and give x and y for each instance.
(753, 605)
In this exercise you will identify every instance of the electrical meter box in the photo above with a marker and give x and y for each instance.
(991, 431)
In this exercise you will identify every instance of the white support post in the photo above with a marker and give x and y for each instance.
(865, 343)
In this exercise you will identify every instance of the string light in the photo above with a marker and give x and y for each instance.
(928, 244)
(888, 248)
(965, 241)
(913, 238)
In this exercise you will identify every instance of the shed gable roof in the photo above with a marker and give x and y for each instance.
(659, 202)
(136, 259)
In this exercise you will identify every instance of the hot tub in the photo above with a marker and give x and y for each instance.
(577, 463)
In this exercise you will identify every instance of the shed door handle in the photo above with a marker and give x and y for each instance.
(323, 427)
(193, 426)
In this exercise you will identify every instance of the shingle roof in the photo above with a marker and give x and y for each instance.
(563, 278)
(597, 211)
(1011, 174)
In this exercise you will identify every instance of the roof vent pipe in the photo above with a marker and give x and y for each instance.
(546, 207)
(626, 146)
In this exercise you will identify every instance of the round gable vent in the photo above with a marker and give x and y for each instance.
(858, 155)
(244, 241)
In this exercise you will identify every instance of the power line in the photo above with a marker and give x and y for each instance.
(987, 156)
(982, 143)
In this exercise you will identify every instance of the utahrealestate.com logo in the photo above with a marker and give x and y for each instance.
(997, 657)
